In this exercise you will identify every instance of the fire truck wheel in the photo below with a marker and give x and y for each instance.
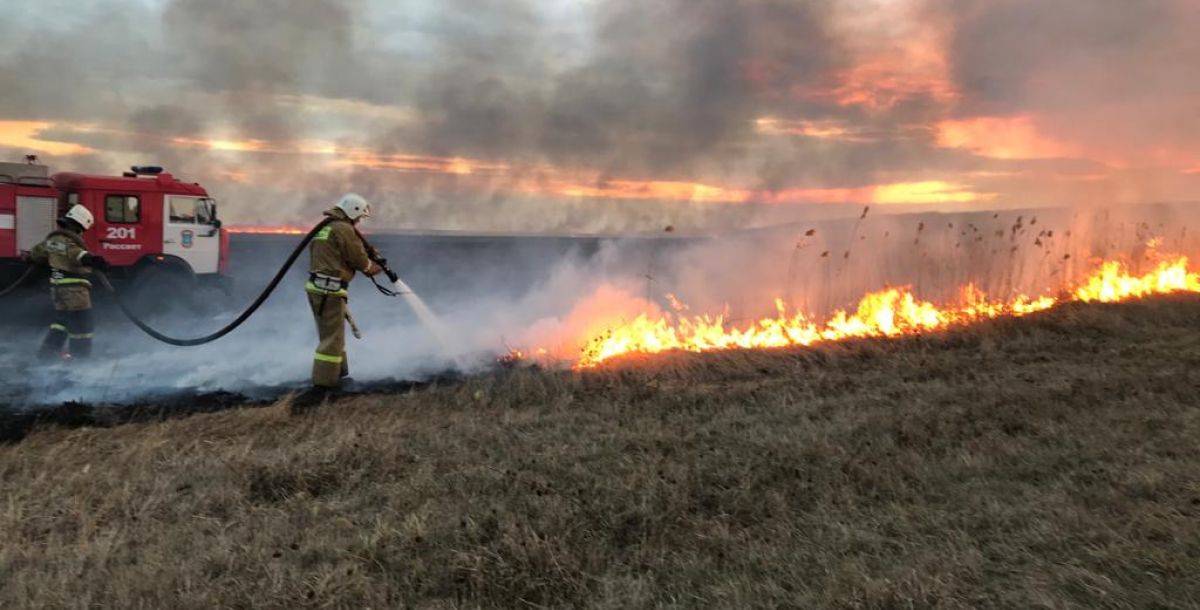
(161, 290)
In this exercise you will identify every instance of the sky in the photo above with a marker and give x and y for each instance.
(614, 115)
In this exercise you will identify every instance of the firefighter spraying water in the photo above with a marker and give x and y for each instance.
(336, 254)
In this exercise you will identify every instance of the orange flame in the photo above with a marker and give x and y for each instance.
(1112, 282)
(887, 313)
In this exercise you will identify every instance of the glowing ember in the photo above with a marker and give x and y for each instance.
(887, 313)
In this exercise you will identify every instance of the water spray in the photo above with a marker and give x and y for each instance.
(398, 288)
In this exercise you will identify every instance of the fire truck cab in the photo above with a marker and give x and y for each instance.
(148, 222)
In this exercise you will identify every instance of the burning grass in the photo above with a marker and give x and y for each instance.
(1044, 461)
(891, 312)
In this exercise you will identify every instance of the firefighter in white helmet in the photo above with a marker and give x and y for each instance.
(70, 265)
(337, 252)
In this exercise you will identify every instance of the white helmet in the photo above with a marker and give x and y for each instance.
(354, 206)
(80, 215)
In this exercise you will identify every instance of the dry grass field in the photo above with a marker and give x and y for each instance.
(1051, 461)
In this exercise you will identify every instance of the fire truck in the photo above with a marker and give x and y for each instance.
(157, 231)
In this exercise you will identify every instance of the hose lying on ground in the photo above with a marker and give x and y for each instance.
(245, 315)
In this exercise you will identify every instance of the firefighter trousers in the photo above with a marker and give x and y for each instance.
(329, 361)
(75, 327)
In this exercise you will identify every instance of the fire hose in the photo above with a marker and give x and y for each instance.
(245, 315)
(21, 280)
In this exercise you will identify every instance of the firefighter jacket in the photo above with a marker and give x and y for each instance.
(63, 252)
(336, 253)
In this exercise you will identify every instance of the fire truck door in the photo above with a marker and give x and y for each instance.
(190, 232)
(36, 218)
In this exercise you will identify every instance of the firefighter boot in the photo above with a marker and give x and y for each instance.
(307, 401)
(52, 345)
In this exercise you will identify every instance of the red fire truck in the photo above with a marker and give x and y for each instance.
(151, 226)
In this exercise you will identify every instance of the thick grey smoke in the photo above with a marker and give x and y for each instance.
(537, 96)
(663, 89)
(536, 100)
(1103, 73)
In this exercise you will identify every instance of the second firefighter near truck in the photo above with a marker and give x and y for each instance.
(71, 265)
(337, 252)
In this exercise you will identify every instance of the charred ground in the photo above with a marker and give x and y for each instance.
(1043, 461)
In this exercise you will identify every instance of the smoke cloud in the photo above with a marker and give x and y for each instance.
(614, 115)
